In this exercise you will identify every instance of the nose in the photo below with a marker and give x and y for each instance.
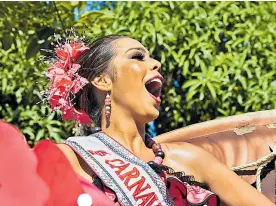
(156, 65)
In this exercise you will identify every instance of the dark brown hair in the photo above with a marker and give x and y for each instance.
(95, 62)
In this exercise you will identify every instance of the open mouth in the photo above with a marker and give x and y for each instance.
(154, 87)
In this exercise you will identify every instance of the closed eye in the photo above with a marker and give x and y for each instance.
(139, 56)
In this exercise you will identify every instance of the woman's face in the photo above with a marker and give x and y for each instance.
(137, 88)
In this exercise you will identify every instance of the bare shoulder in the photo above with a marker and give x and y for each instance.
(189, 158)
(70, 155)
(186, 151)
(78, 164)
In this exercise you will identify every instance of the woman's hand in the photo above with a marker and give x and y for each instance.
(195, 161)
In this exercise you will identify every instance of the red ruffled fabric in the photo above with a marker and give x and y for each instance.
(39, 177)
(20, 184)
(184, 194)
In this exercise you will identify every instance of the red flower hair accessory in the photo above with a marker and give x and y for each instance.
(65, 81)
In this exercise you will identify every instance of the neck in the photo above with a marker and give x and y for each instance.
(123, 128)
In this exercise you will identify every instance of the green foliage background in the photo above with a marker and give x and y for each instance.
(218, 58)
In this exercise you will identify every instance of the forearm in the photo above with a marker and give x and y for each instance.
(232, 189)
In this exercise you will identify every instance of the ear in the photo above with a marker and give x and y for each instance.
(102, 82)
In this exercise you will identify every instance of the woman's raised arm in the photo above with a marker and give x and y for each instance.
(232, 189)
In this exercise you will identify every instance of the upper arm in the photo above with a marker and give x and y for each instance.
(182, 157)
(78, 164)
(227, 184)
(70, 155)
(232, 189)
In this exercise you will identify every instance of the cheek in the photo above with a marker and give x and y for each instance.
(134, 70)
(128, 88)
(130, 77)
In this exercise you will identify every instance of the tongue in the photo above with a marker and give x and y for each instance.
(157, 99)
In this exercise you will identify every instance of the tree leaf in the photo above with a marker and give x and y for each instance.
(32, 49)
(6, 41)
(212, 90)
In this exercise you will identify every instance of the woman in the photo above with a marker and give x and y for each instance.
(116, 82)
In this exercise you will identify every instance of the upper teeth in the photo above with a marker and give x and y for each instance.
(156, 80)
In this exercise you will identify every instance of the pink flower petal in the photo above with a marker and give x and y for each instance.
(73, 70)
(53, 100)
(79, 83)
(72, 114)
(66, 81)
(84, 118)
(53, 72)
(61, 54)
(76, 53)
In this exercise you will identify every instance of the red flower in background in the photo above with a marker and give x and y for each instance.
(41, 176)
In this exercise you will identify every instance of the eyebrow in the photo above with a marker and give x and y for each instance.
(140, 49)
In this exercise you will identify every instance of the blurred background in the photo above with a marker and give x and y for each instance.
(218, 58)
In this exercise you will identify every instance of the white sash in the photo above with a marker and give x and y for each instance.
(133, 181)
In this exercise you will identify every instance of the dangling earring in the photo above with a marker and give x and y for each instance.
(107, 105)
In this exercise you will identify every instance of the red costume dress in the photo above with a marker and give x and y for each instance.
(131, 179)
